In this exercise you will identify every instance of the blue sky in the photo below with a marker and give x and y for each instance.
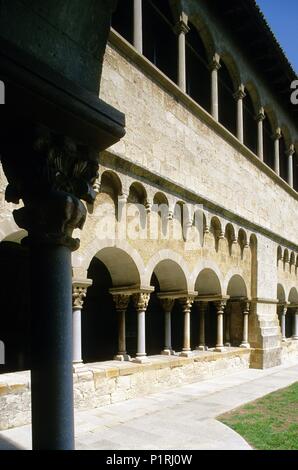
(282, 16)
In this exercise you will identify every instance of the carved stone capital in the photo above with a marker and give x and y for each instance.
(181, 26)
(186, 303)
(121, 301)
(277, 134)
(291, 150)
(220, 306)
(50, 173)
(261, 115)
(167, 304)
(240, 93)
(78, 296)
(141, 301)
(245, 307)
(215, 63)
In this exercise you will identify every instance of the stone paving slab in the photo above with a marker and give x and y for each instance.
(182, 418)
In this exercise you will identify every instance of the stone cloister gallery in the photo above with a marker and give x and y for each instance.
(188, 260)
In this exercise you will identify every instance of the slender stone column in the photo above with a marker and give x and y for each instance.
(228, 325)
(181, 30)
(215, 66)
(283, 312)
(167, 305)
(79, 290)
(186, 306)
(121, 303)
(295, 325)
(137, 26)
(260, 118)
(220, 305)
(141, 301)
(276, 137)
(245, 307)
(290, 154)
(239, 96)
(202, 312)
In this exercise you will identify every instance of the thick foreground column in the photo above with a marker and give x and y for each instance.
(51, 373)
(202, 314)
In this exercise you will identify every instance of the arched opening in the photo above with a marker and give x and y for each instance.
(249, 124)
(167, 276)
(268, 142)
(15, 330)
(290, 316)
(159, 221)
(237, 291)
(207, 284)
(226, 101)
(122, 19)
(159, 39)
(111, 267)
(198, 84)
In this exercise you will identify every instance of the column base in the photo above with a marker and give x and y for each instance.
(140, 360)
(77, 365)
(228, 345)
(202, 348)
(284, 340)
(295, 337)
(167, 352)
(122, 357)
(220, 349)
(186, 353)
(245, 345)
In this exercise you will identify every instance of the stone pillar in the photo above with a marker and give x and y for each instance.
(141, 301)
(245, 307)
(137, 26)
(181, 30)
(283, 313)
(290, 154)
(51, 178)
(167, 305)
(260, 118)
(202, 312)
(239, 96)
(121, 303)
(220, 305)
(79, 290)
(276, 137)
(186, 307)
(295, 325)
(215, 66)
(228, 325)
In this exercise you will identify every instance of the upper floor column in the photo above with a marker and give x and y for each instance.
(214, 66)
(277, 137)
(290, 152)
(181, 30)
(239, 96)
(260, 118)
(137, 26)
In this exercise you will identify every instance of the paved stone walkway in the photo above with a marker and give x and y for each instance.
(183, 418)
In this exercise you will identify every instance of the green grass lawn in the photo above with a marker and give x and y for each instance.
(270, 423)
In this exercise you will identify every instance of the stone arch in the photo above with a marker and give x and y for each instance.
(286, 256)
(279, 253)
(216, 230)
(292, 259)
(242, 238)
(287, 135)
(160, 198)
(281, 293)
(170, 269)
(235, 285)
(251, 88)
(137, 193)
(208, 282)
(112, 179)
(205, 34)
(121, 247)
(293, 295)
(231, 66)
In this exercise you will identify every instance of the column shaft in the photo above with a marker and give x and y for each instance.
(283, 323)
(141, 345)
(121, 333)
(276, 151)
(245, 311)
(239, 96)
(137, 26)
(290, 154)
(260, 118)
(181, 61)
(214, 93)
(295, 326)
(168, 333)
(77, 336)
(51, 372)
(220, 311)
